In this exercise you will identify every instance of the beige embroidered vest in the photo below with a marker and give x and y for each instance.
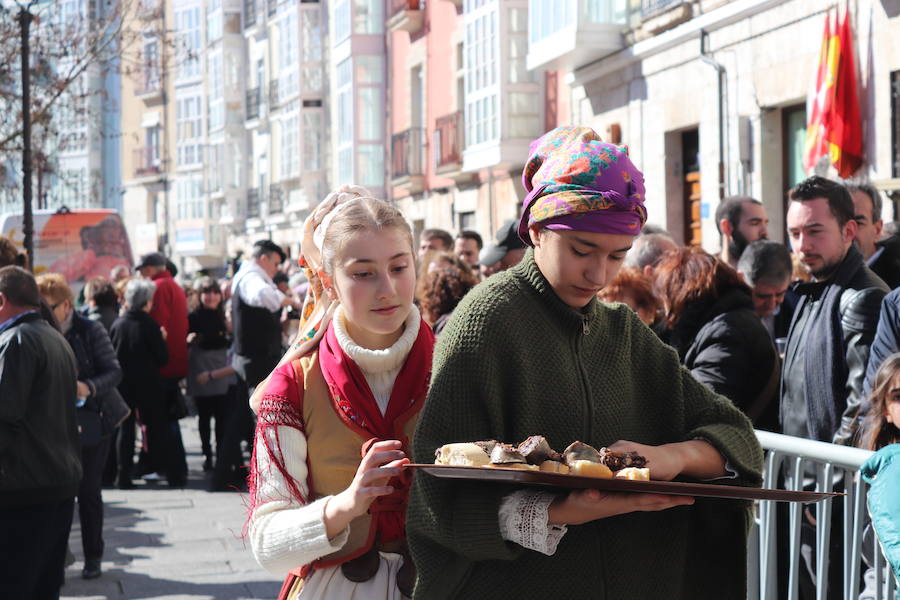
(333, 454)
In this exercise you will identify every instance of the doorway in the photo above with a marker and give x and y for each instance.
(691, 196)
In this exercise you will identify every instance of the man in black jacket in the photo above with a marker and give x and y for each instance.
(834, 322)
(882, 256)
(766, 267)
(256, 305)
(40, 466)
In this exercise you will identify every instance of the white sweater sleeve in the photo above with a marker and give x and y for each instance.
(284, 533)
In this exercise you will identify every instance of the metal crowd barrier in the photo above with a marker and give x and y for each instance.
(791, 463)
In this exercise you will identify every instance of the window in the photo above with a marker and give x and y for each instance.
(524, 113)
(288, 52)
(370, 112)
(341, 20)
(152, 138)
(549, 17)
(189, 198)
(312, 79)
(371, 164)
(215, 163)
(216, 91)
(71, 188)
(287, 40)
(311, 33)
(311, 53)
(312, 140)
(368, 17)
(517, 41)
(150, 71)
(466, 220)
(187, 39)
(290, 158)
(188, 132)
(345, 102)
(345, 165)
(480, 76)
(213, 20)
(369, 69)
(794, 139)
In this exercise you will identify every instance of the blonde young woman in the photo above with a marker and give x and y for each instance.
(335, 423)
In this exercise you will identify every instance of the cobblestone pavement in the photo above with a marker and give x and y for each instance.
(179, 544)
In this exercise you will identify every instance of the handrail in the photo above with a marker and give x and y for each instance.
(845, 457)
(795, 464)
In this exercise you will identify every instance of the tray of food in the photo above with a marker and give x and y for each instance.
(580, 466)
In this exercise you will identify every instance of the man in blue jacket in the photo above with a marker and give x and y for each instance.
(40, 465)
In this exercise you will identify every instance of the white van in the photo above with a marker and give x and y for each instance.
(80, 244)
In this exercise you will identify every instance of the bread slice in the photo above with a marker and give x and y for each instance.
(586, 468)
(633, 474)
(462, 454)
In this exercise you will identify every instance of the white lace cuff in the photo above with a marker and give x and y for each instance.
(524, 521)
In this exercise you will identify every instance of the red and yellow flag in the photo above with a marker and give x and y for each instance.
(834, 124)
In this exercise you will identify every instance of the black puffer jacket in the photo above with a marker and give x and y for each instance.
(726, 347)
(40, 458)
(98, 366)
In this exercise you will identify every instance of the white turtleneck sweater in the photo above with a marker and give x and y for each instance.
(285, 534)
(380, 367)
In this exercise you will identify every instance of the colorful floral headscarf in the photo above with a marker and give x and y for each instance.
(575, 181)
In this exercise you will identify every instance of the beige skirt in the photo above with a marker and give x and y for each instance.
(330, 583)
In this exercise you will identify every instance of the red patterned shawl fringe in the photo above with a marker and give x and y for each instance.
(275, 411)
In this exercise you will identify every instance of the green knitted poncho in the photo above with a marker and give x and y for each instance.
(515, 361)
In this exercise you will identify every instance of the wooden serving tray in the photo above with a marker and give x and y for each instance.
(558, 480)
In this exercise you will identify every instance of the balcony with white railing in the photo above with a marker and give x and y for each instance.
(566, 34)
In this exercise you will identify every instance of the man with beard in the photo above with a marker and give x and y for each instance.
(740, 220)
(834, 322)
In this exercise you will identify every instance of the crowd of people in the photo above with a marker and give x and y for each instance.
(375, 348)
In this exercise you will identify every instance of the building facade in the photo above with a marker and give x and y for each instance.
(75, 146)
(659, 92)
(285, 121)
(225, 127)
(357, 86)
(434, 104)
(148, 143)
(464, 107)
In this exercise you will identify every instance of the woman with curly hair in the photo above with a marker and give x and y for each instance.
(442, 289)
(633, 288)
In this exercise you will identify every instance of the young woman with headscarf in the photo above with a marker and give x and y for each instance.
(532, 351)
